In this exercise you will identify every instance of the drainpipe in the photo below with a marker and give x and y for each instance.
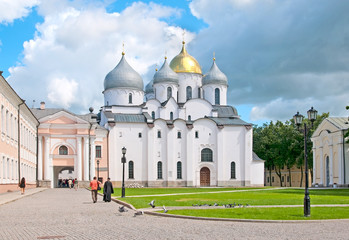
(344, 156)
(19, 140)
(37, 155)
(89, 150)
(108, 154)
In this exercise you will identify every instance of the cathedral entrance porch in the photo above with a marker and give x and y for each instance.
(205, 177)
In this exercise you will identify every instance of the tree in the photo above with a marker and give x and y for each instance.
(281, 144)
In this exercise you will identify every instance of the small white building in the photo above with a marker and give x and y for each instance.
(331, 152)
(183, 134)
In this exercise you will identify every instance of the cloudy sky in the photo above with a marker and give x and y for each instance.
(281, 56)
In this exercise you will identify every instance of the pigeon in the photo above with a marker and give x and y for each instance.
(165, 210)
(138, 213)
(122, 209)
(152, 203)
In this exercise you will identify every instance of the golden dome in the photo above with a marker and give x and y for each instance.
(183, 62)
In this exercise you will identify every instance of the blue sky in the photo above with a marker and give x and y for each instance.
(280, 56)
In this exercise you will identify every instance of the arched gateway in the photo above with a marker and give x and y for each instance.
(205, 177)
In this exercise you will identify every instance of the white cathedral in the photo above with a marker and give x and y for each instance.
(184, 134)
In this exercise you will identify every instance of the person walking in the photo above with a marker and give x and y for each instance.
(94, 188)
(107, 190)
(22, 185)
(70, 182)
(76, 186)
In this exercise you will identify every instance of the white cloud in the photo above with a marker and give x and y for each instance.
(279, 56)
(62, 91)
(85, 43)
(13, 9)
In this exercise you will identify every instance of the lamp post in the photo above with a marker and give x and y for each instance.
(123, 161)
(97, 170)
(298, 119)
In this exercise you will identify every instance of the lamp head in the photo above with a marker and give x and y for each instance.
(298, 119)
(123, 150)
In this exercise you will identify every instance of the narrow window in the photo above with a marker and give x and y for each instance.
(179, 170)
(2, 119)
(189, 96)
(199, 92)
(268, 179)
(196, 134)
(189, 118)
(63, 150)
(130, 98)
(171, 115)
(159, 134)
(159, 170)
(169, 92)
(272, 179)
(130, 170)
(98, 151)
(153, 114)
(288, 178)
(232, 170)
(282, 179)
(217, 96)
(206, 155)
(179, 134)
(140, 135)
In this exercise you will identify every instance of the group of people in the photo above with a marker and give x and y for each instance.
(71, 183)
(107, 189)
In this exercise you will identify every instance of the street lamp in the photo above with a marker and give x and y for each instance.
(97, 170)
(298, 119)
(123, 161)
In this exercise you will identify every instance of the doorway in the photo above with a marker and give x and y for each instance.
(205, 177)
(62, 173)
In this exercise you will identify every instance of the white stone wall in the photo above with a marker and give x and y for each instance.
(120, 96)
(185, 80)
(160, 91)
(209, 93)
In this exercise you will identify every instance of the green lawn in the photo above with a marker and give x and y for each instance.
(294, 213)
(284, 196)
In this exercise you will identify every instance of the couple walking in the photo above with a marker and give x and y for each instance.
(107, 189)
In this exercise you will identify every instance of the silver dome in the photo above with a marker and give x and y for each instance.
(165, 74)
(215, 76)
(123, 76)
(149, 87)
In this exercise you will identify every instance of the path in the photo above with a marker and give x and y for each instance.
(69, 214)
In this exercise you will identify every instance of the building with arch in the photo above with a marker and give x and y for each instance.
(184, 134)
(331, 153)
(67, 141)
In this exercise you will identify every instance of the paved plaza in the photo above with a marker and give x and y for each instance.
(70, 214)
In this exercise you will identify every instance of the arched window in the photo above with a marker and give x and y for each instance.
(189, 118)
(159, 134)
(130, 170)
(179, 170)
(153, 114)
(130, 98)
(189, 96)
(159, 170)
(206, 155)
(217, 96)
(171, 115)
(63, 150)
(179, 134)
(169, 92)
(232, 170)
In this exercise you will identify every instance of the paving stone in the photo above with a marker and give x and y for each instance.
(69, 214)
